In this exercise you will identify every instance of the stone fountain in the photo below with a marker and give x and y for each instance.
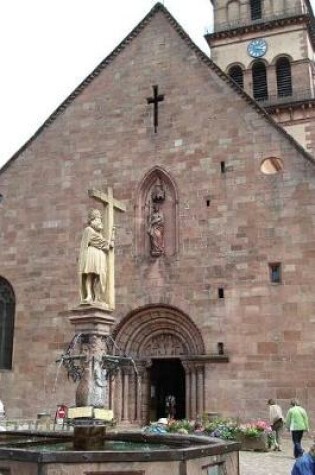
(93, 321)
(89, 361)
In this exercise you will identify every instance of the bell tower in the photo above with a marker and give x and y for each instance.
(267, 48)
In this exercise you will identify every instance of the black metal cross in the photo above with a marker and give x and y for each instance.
(155, 100)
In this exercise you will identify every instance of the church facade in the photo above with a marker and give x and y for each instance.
(214, 255)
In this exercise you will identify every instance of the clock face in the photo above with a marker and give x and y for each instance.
(257, 48)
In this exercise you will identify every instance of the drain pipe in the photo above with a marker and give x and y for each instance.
(183, 467)
(41, 469)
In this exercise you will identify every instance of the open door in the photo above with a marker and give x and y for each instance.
(167, 389)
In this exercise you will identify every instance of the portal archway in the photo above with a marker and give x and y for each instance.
(153, 336)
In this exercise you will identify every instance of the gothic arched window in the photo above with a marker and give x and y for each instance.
(255, 9)
(284, 77)
(260, 87)
(236, 73)
(7, 312)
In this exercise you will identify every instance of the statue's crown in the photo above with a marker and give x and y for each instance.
(94, 213)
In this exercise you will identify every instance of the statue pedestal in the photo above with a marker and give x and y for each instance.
(91, 413)
(92, 319)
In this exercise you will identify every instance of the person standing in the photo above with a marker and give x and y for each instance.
(297, 422)
(276, 421)
(2, 410)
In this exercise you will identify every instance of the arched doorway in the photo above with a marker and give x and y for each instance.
(167, 348)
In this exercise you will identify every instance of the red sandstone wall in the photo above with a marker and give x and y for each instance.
(105, 138)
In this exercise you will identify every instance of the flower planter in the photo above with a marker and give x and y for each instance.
(260, 442)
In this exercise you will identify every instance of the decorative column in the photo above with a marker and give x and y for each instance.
(141, 391)
(187, 369)
(125, 392)
(193, 389)
(200, 389)
(134, 386)
(117, 395)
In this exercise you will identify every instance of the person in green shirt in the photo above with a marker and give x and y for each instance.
(297, 423)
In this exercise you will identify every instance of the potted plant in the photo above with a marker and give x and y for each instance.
(255, 435)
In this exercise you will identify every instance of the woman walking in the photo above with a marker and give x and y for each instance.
(297, 422)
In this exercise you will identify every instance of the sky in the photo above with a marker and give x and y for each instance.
(49, 46)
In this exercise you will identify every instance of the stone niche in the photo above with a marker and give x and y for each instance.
(156, 192)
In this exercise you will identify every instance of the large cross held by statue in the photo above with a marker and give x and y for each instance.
(110, 204)
(155, 101)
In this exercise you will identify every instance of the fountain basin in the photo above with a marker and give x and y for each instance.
(126, 453)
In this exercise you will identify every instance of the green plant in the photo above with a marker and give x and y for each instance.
(223, 428)
(175, 426)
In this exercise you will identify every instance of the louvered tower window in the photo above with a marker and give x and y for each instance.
(284, 77)
(260, 88)
(7, 311)
(236, 73)
(255, 9)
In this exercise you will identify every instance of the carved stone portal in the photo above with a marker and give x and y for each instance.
(164, 345)
(153, 334)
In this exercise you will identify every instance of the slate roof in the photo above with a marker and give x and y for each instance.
(158, 7)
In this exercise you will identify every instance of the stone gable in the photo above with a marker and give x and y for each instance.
(227, 224)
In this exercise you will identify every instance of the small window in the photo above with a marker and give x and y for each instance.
(255, 9)
(275, 273)
(221, 293)
(236, 73)
(222, 165)
(220, 348)
(271, 166)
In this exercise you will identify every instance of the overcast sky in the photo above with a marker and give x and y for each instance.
(49, 46)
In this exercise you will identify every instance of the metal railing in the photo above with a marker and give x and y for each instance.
(296, 96)
(245, 21)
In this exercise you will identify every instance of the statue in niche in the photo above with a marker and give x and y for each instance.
(93, 260)
(156, 222)
(156, 231)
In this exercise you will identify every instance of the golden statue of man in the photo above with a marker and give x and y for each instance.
(93, 260)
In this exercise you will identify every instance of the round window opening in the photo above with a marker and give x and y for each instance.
(271, 165)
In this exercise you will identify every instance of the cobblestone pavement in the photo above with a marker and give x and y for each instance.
(270, 463)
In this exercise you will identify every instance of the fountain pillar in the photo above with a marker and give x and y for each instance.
(90, 365)
(93, 326)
